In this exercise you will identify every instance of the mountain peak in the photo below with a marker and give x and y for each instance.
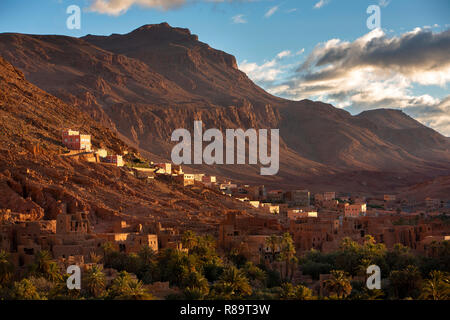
(392, 118)
(164, 31)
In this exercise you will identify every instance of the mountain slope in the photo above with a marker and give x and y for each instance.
(155, 79)
(39, 182)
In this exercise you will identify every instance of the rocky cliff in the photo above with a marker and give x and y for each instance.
(155, 79)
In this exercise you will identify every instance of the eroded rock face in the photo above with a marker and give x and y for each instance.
(12, 200)
(155, 79)
(38, 182)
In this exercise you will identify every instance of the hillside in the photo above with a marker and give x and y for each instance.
(38, 181)
(155, 79)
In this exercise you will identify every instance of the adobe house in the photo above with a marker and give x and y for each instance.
(355, 210)
(233, 230)
(256, 249)
(130, 242)
(298, 198)
(167, 237)
(312, 232)
(185, 179)
(73, 140)
(113, 159)
(165, 167)
(77, 223)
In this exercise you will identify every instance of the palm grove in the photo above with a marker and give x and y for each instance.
(202, 273)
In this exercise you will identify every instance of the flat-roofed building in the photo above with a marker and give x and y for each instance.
(355, 210)
(73, 140)
(167, 167)
(298, 198)
(113, 159)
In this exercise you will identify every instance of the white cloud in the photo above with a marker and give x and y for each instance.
(239, 18)
(267, 72)
(118, 7)
(320, 4)
(301, 51)
(271, 11)
(371, 72)
(436, 115)
(284, 54)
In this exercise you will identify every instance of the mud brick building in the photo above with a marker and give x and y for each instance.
(73, 140)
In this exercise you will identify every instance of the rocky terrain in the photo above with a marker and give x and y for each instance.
(37, 180)
(144, 84)
(435, 188)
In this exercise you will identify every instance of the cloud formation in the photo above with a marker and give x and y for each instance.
(267, 73)
(283, 54)
(320, 4)
(436, 116)
(271, 11)
(374, 71)
(118, 7)
(239, 18)
(375, 67)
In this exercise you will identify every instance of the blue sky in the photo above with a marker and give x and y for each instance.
(259, 30)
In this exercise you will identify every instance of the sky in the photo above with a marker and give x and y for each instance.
(297, 49)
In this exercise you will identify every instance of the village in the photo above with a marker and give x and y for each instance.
(319, 221)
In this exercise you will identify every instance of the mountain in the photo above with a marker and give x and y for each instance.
(155, 79)
(39, 182)
(438, 187)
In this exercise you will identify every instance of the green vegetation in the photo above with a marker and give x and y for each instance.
(405, 274)
(134, 162)
(201, 273)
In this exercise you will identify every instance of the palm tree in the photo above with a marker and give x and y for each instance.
(42, 262)
(54, 274)
(236, 281)
(196, 280)
(287, 291)
(303, 293)
(287, 252)
(120, 284)
(294, 264)
(338, 284)
(61, 292)
(136, 291)
(95, 281)
(299, 292)
(189, 240)
(406, 283)
(6, 268)
(147, 254)
(45, 267)
(273, 243)
(193, 293)
(125, 288)
(108, 248)
(95, 258)
(437, 287)
(25, 290)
